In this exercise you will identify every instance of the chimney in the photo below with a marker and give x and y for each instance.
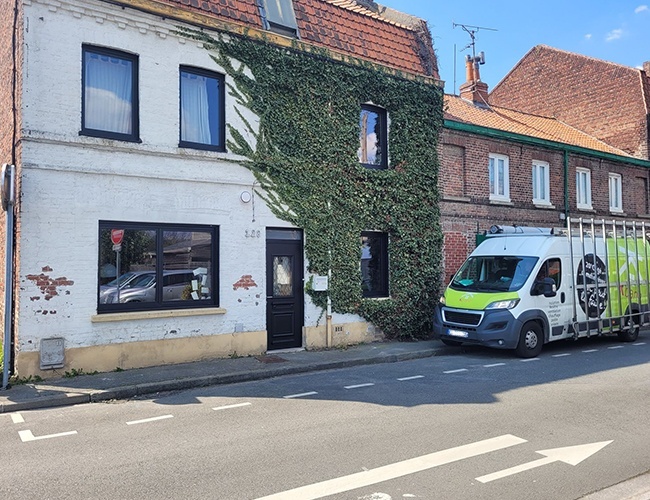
(474, 89)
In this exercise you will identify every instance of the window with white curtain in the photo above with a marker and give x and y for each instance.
(278, 16)
(202, 115)
(583, 188)
(615, 193)
(541, 183)
(110, 94)
(499, 177)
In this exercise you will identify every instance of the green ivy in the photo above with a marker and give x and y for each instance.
(304, 156)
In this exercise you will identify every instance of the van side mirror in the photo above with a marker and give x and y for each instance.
(545, 287)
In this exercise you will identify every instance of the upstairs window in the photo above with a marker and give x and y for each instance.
(202, 115)
(541, 183)
(278, 16)
(615, 193)
(499, 177)
(583, 188)
(374, 264)
(110, 94)
(373, 137)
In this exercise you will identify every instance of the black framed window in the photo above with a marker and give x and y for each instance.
(202, 113)
(109, 102)
(373, 137)
(374, 264)
(278, 16)
(156, 266)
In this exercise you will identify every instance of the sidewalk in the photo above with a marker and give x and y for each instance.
(137, 382)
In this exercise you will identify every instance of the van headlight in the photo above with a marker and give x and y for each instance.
(442, 300)
(503, 304)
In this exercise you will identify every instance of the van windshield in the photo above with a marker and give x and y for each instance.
(493, 273)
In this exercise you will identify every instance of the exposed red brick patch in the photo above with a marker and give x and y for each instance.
(246, 282)
(49, 286)
(47, 269)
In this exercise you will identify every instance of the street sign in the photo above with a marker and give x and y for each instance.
(116, 236)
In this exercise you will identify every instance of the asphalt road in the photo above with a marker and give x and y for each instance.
(469, 424)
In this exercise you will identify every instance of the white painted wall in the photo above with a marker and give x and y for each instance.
(70, 182)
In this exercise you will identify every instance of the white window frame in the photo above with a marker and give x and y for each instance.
(493, 174)
(279, 16)
(615, 193)
(583, 183)
(541, 183)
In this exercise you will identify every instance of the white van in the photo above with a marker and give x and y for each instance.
(523, 287)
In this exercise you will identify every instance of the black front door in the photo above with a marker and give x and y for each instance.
(284, 288)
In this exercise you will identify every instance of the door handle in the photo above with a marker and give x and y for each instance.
(562, 297)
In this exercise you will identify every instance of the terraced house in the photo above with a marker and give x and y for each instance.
(562, 135)
(214, 178)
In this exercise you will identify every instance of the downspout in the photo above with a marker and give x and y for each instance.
(566, 184)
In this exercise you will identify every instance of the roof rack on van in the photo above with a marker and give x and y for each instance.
(518, 230)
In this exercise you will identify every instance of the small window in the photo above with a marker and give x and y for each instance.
(157, 266)
(552, 268)
(202, 115)
(110, 94)
(278, 16)
(615, 193)
(583, 188)
(499, 181)
(373, 137)
(541, 183)
(374, 264)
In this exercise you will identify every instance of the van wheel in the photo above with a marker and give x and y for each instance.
(632, 333)
(531, 340)
(450, 343)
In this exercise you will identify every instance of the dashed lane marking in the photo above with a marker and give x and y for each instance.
(591, 350)
(403, 379)
(455, 371)
(616, 347)
(27, 435)
(528, 359)
(561, 355)
(357, 386)
(17, 418)
(493, 365)
(639, 343)
(228, 407)
(301, 395)
(147, 420)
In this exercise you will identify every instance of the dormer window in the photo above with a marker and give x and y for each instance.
(278, 16)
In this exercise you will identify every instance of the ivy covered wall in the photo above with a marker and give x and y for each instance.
(306, 161)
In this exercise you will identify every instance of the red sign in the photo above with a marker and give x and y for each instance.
(116, 236)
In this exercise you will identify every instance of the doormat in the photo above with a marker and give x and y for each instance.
(269, 358)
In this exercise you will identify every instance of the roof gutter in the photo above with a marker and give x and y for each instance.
(533, 141)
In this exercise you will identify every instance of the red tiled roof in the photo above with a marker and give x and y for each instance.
(378, 34)
(508, 120)
(606, 100)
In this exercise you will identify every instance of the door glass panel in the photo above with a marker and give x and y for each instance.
(282, 276)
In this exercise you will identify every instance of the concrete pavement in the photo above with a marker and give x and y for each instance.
(88, 388)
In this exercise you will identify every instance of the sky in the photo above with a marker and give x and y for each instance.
(612, 30)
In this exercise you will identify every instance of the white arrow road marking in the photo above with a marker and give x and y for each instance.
(399, 469)
(28, 436)
(571, 455)
(146, 420)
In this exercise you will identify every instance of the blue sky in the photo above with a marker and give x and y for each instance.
(612, 30)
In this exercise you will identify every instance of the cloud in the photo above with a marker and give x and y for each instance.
(588, 36)
(614, 35)
(641, 8)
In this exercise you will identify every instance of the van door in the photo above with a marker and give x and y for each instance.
(559, 309)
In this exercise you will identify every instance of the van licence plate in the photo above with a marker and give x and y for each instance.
(458, 333)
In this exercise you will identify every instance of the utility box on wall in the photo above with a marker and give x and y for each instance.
(52, 353)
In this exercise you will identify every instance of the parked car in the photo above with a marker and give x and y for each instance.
(126, 280)
(143, 288)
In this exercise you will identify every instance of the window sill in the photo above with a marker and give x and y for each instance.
(174, 313)
(616, 212)
(501, 201)
(586, 209)
(543, 205)
(459, 199)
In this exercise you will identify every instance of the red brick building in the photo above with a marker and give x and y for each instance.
(510, 160)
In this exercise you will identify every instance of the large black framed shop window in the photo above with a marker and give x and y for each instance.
(157, 266)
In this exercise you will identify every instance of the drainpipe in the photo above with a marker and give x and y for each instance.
(8, 196)
(566, 184)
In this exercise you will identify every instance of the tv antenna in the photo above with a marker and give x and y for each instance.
(471, 31)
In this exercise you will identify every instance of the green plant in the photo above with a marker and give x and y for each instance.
(31, 379)
(77, 372)
(303, 152)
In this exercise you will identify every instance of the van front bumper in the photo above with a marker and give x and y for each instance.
(492, 327)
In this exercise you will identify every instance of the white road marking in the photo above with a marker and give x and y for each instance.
(300, 395)
(529, 359)
(639, 343)
(456, 371)
(591, 350)
(493, 365)
(403, 379)
(393, 471)
(358, 386)
(28, 436)
(17, 418)
(571, 455)
(616, 347)
(238, 405)
(561, 355)
(146, 420)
